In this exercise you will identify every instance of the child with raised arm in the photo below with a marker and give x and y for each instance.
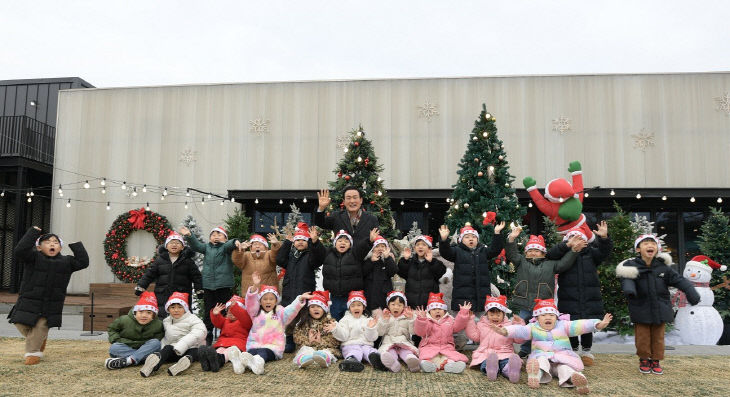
(437, 327)
(235, 325)
(313, 334)
(379, 281)
(396, 328)
(259, 259)
(357, 332)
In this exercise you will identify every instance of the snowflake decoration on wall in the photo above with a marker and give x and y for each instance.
(561, 124)
(188, 156)
(259, 126)
(428, 110)
(643, 140)
(723, 103)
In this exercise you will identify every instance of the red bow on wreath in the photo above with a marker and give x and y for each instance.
(490, 218)
(502, 257)
(137, 217)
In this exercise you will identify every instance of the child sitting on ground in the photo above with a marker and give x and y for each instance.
(313, 334)
(184, 333)
(436, 327)
(496, 353)
(136, 335)
(231, 344)
(396, 328)
(40, 301)
(266, 339)
(552, 354)
(357, 333)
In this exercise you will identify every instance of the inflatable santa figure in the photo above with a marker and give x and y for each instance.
(700, 324)
(563, 202)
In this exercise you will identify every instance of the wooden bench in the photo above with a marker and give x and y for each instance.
(111, 300)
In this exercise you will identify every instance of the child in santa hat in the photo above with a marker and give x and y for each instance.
(235, 326)
(136, 335)
(313, 333)
(184, 333)
(436, 327)
(257, 255)
(300, 256)
(421, 271)
(40, 300)
(496, 353)
(217, 270)
(379, 281)
(173, 270)
(552, 354)
(344, 269)
(396, 328)
(535, 275)
(267, 338)
(357, 332)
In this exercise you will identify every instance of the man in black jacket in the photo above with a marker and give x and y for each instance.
(353, 219)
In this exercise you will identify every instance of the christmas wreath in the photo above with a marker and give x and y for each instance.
(115, 244)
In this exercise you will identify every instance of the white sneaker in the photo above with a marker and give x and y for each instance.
(180, 366)
(455, 367)
(257, 365)
(246, 359)
(149, 365)
(234, 355)
(427, 366)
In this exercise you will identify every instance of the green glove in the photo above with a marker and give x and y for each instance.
(574, 166)
(529, 182)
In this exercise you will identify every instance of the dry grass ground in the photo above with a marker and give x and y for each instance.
(76, 368)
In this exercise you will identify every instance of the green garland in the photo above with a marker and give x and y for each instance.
(115, 243)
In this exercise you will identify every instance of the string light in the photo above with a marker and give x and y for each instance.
(144, 189)
(664, 198)
(103, 182)
(281, 201)
(30, 199)
(638, 195)
(60, 191)
(233, 199)
(124, 185)
(147, 207)
(692, 199)
(613, 193)
(86, 185)
(485, 134)
(68, 203)
(719, 200)
(3, 193)
(402, 202)
(359, 159)
(304, 200)
(162, 198)
(103, 190)
(345, 150)
(202, 201)
(256, 201)
(209, 196)
(108, 206)
(529, 204)
(134, 191)
(425, 206)
(380, 193)
(186, 205)
(585, 194)
(187, 192)
(223, 201)
(31, 193)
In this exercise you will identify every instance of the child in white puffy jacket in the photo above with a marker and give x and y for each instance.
(357, 332)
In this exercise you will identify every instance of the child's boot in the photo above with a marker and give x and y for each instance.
(322, 358)
(454, 367)
(257, 365)
(246, 358)
(580, 382)
(376, 362)
(533, 373)
(390, 361)
(150, 365)
(181, 365)
(514, 365)
(428, 367)
(303, 360)
(656, 369)
(33, 360)
(491, 368)
(413, 363)
(203, 358)
(587, 358)
(351, 364)
(234, 356)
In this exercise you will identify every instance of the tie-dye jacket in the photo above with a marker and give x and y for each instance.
(267, 331)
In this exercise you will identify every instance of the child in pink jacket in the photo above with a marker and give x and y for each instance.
(436, 328)
(496, 353)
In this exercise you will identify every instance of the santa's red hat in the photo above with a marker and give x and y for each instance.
(467, 229)
(436, 301)
(321, 299)
(257, 238)
(179, 298)
(545, 306)
(393, 294)
(496, 302)
(575, 232)
(220, 230)
(341, 234)
(559, 190)
(147, 301)
(648, 237)
(174, 236)
(536, 243)
(356, 296)
(426, 239)
(236, 300)
(265, 289)
(301, 232)
(380, 240)
(708, 263)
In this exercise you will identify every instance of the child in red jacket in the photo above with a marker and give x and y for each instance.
(231, 345)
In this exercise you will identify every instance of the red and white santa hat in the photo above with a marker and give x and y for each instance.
(436, 301)
(496, 302)
(467, 229)
(321, 299)
(393, 294)
(180, 298)
(236, 300)
(265, 289)
(545, 306)
(380, 240)
(536, 243)
(426, 239)
(575, 232)
(219, 229)
(147, 301)
(301, 232)
(648, 237)
(705, 261)
(559, 190)
(257, 238)
(174, 236)
(356, 296)
(341, 234)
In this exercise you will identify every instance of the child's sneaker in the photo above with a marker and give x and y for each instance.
(427, 366)
(580, 382)
(351, 364)
(257, 365)
(587, 358)
(492, 366)
(234, 356)
(116, 363)
(33, 360)
(246, 358)
(181, 365)
(149, 365)
(322, 358)
(413, 363)
(514, 365)
(43, 346)
(656, 369)
(454, 367)
(375, 361)
(533, 373)
(645, 366)
(304, 360)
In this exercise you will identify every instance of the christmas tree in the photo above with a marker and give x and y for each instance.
(485, 184)
(551, 235)
(715, 243)
(192, 225)
(623, 234)
(359, 168)
(237, 227)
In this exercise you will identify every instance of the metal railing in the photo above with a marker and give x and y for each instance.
(22, 136)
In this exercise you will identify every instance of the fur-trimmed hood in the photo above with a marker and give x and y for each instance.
(626, 270)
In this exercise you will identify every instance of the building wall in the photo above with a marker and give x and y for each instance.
(138, 135)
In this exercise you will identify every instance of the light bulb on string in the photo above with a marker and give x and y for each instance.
(281, 201)
(164, 192)
(719, 200)
(209, 196)
(402, 202)
(304, 200)
(86, 185)
(233, 200)
(147, 207)
(380, 179)
(344, 150)
(256, 201)
(30, 199)
(485, 134)
(124, 185)
(134, 192)
(664, 198)
(103, 182)
(31, 193)
(425, 206)
(186, 205)
(103, 190)
(359, 159)
(202, 200)
(638, 196)
(162, 198)
(60, 191)
(380, 193)
(3, 193)
(223, 201)
(68, 203)
(585, 194)
(529, 204)
(187, 192)
(108, 206)
(613, 193)
(692, 199)
(144, 189)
